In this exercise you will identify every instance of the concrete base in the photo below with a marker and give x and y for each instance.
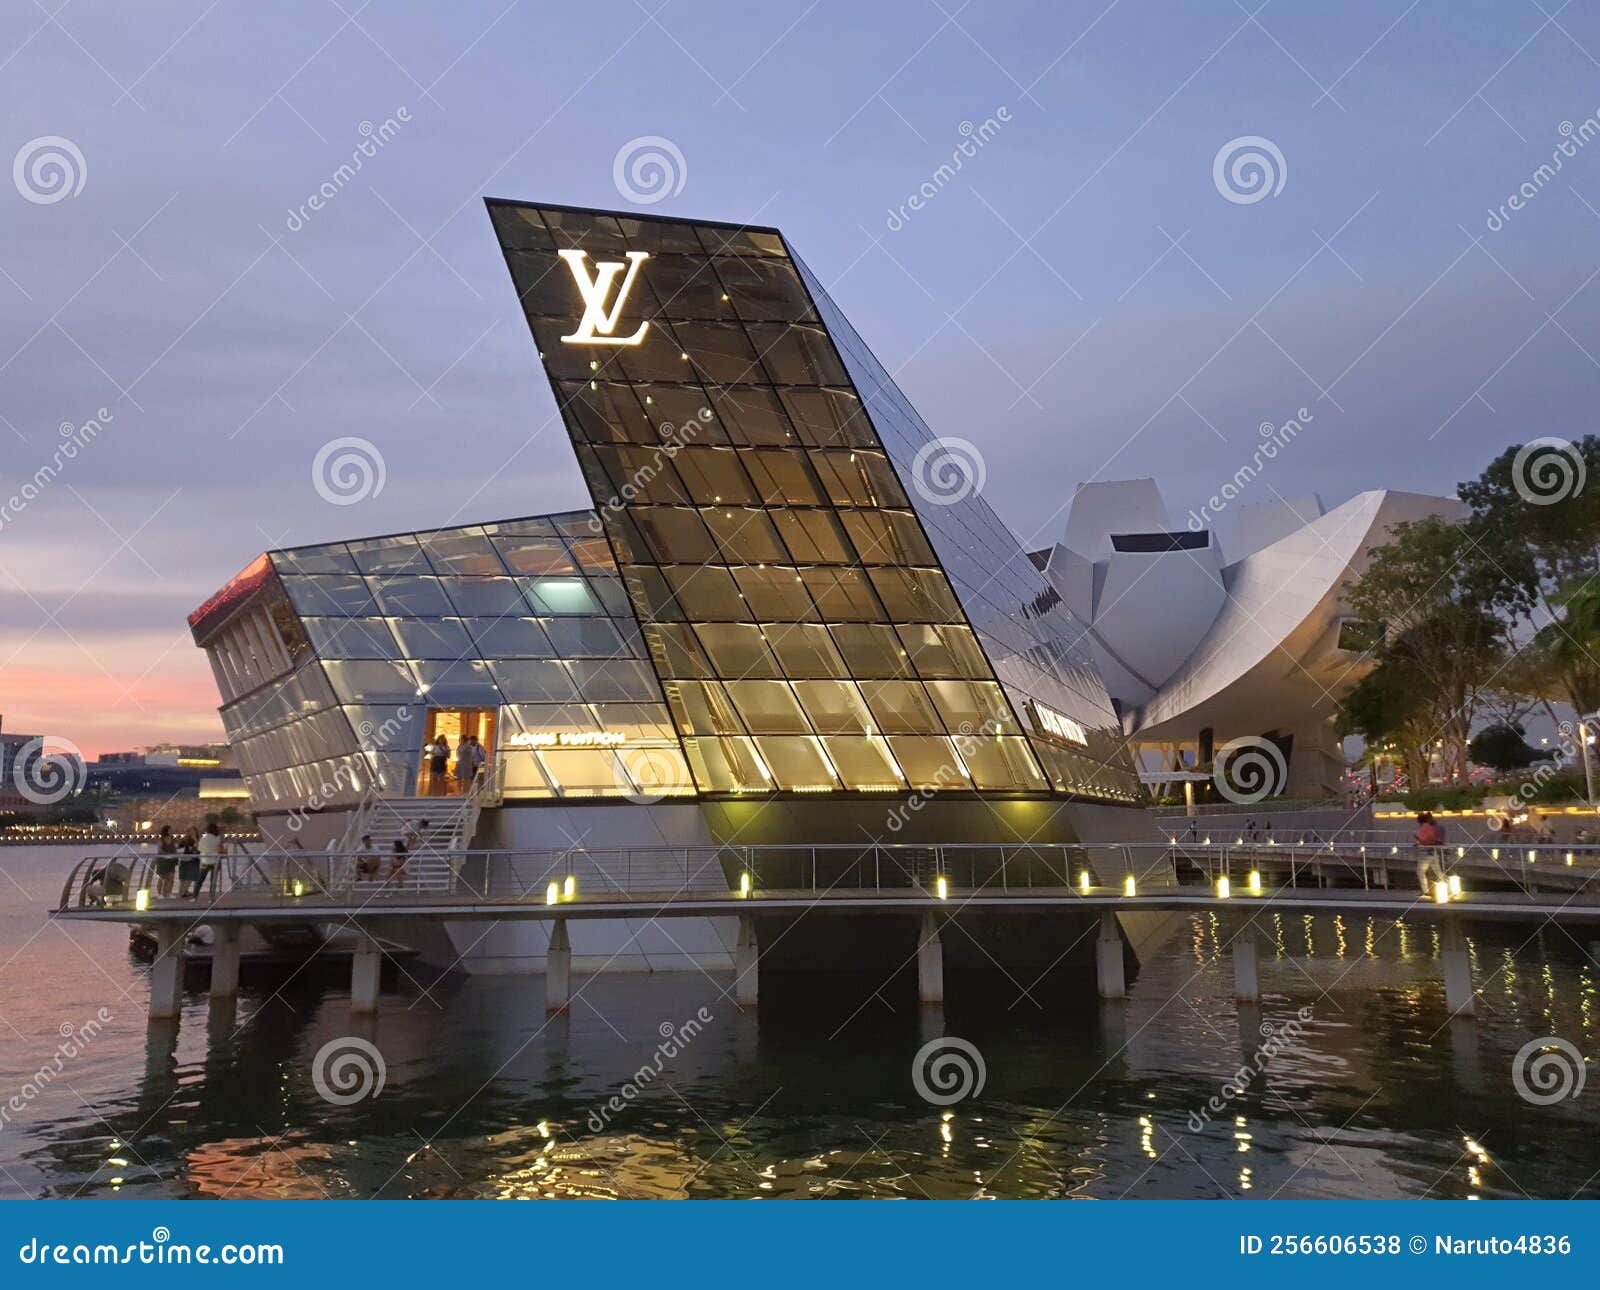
(366, 967)
(1247, 967)
(930, 962)
(1458, 994)
(1109, 969)
(558, 969)
(746, 960)
(224, 960)
(166, 972)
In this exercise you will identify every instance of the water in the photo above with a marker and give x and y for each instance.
(1378, 1095)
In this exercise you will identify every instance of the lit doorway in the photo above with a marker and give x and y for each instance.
(445, 776)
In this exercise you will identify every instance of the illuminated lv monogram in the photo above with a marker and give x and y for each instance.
(598, 322)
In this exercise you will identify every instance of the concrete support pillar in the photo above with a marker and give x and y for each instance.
(930, 962)
(1458, 995)
(166, 972)
(224, 960)
(746, 956)
(558, 969)
(1108, 958)
(366, 968)
(1247, 966)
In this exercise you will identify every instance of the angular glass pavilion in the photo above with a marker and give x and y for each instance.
(773, 596)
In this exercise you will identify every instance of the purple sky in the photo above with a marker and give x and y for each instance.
(1080, 300)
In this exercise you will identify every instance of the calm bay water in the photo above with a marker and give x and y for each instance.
(1378, 1094)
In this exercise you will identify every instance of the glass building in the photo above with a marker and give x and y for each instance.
(774, 594)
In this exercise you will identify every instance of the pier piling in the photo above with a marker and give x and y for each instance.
(366, 967)
(746, 957)
(558, 969)
(1108, 958)
(930, 962)
(1458, 995)
(1247, 965)
(166, 972)
(224, 960)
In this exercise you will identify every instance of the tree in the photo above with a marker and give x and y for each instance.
(1500, 746)
(1446, 603)
(1388, 710)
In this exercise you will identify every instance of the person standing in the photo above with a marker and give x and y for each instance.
(464, 764)
(166, 861)
(212, 848)
(439, 767)
(188, 865)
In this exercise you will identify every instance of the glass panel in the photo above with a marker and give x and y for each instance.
(972, 706)
(834, 707)
(638, 721)
(413, 597)
(727, 765)
(460, 551)
(371, 682)
(703, 707)
(708, 594)
(681, 414)
(736, 650)
(859, 479)
(580, 772)
(842, 595)
(947, 651)
(871, 650)
(674, 533)
(534, 555)
(781, 477)
(804, 649)
(768, 707)
(813, 537)
(676, 650)
(351, 638)
(929, 763)
(328, 594)
(659, 772)
(775, 592)
(510, 637)
(753, 415)
(1002, 762)
(389, 556)
(901, 707)
(765, 290)
(466, 683)
(314, 559)
(864, 764)
(583, 637)
(745, 536)
(829, 418)
(433, 638)
(714, 476)
(641, 473)
(533, 680)
(592, 552)
(887, 537)
(483, 595)
(798, 355)
(796, 764)
(915, 595)
(560, 596)
(719, 353)
(619, 680)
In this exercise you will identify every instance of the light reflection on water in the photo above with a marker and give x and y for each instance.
(1380, 1095)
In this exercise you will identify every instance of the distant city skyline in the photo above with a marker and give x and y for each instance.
(1095, 242)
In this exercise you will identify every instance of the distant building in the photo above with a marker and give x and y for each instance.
(1202, 641)
(18, 754)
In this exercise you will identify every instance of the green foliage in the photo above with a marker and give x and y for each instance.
(1445, 797)
(1501, 747)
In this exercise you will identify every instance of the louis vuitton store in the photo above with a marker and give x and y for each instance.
(771, 620)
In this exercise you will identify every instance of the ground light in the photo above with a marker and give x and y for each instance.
(141, 900)
(1223, 888)
(1083, 882)
(744, 884)
(1533, 857)
(1441, 892)
(1255, 882)
(1455, 885)
(570, 889)
(1129, 887)
(941, 887)
(299, 887)
(552, 893)
(1569, 859)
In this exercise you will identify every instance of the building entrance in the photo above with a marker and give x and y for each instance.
(450, 767)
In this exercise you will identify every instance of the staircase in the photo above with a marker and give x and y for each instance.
(450, 821)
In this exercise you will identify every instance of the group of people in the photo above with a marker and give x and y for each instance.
(470, 756)
(194, 861)
(370, 862)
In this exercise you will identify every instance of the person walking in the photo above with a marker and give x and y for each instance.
(1430, 845)
(166, 861)
(464, 764)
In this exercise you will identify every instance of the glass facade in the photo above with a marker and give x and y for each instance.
(746, 456)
